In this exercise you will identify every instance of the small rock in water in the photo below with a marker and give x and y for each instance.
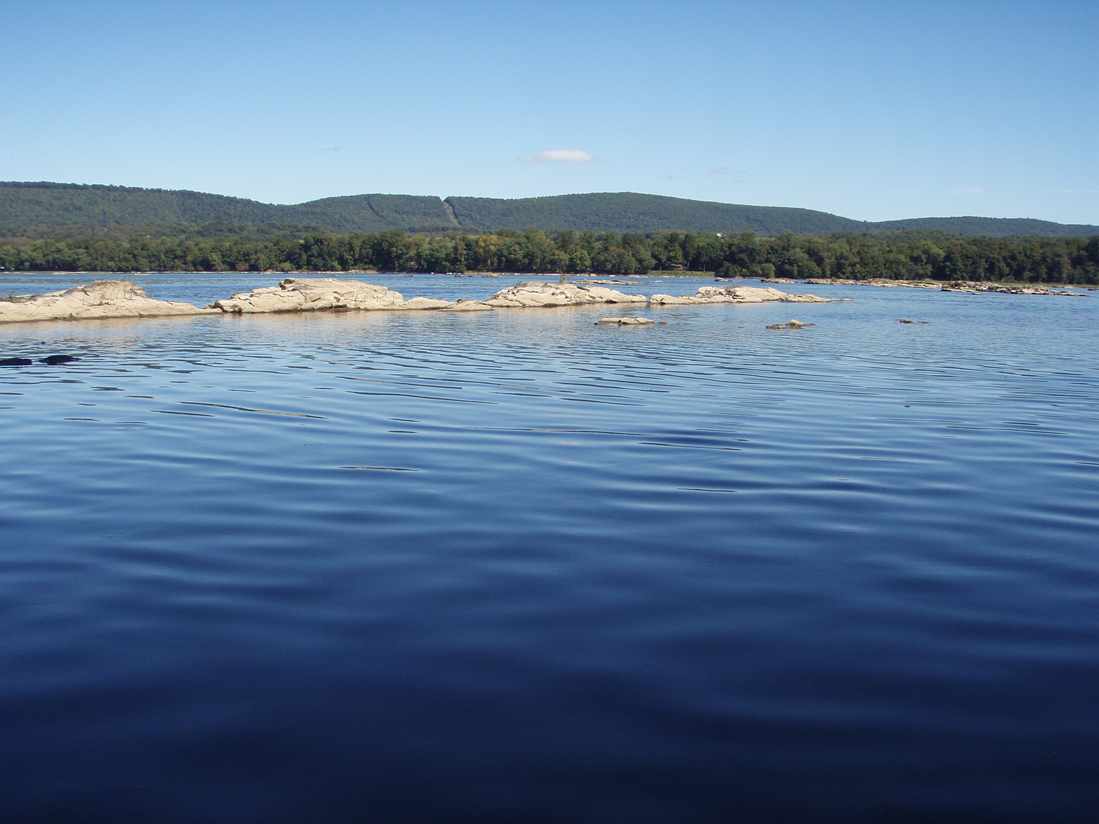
(790, 324)
(15, 361)
(624, 321)
(57, 360)
(909, 320)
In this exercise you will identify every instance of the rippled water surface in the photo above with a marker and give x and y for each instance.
(514, 566)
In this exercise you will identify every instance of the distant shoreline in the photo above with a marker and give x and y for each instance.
(621, 279)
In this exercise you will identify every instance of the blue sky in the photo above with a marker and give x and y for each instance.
(871, 110)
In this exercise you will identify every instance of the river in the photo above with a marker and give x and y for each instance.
(515, 566)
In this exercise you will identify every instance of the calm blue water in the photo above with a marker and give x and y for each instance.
(513, 566)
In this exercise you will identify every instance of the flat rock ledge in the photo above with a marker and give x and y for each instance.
(536, 294)
(949, 286)
(975, 287)
(734, 294)
(101, 299)
(314, 296)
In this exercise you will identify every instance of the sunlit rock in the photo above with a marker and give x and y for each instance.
(734, 294)
(102, 299)
(121, 299)
(755, 294)
(534, 294)
(312, 296)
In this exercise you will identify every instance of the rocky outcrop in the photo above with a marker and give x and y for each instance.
(789, 325)
(536, 294)
(951, 286)
(122, 299)
(733, 294)
(888, 283)
(102, 299)
(1006, 289)
(626, 321)
(311, 296)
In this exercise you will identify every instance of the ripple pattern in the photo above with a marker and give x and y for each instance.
(515, 566)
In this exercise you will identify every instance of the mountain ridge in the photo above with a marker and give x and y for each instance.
(48, 209)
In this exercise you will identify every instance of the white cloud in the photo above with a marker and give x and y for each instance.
(563, 156)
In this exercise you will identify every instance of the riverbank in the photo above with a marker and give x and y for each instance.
(1001, 286)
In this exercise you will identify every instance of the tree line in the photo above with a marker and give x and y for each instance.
(901, 256)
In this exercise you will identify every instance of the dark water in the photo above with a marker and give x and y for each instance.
(513, 566)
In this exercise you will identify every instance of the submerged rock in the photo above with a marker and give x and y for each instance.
(734, 294)
(15, 361)
(630, 321)
(790, 324)
(425, 303)
(312, 296)
(102, 299)
(534, 294)
(58, 360)
(469, 306)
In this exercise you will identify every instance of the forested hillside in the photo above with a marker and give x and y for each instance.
(630, 212)
(987, 227)
(60, 210)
